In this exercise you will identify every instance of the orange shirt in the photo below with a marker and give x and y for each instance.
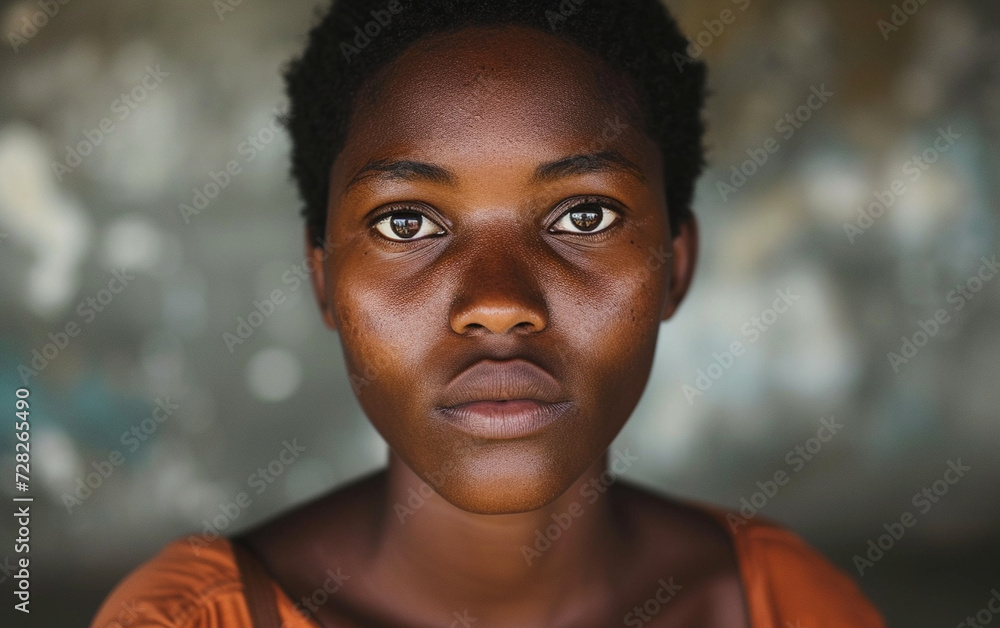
(787, 585)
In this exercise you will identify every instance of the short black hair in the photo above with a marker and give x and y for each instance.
(637, 38)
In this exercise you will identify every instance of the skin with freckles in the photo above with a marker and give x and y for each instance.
(498, 205)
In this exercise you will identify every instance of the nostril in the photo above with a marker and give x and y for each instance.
(498, 312)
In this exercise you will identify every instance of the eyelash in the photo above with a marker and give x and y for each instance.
(399, 209)
(602, 202)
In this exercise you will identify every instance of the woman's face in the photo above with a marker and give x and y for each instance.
(498, 262)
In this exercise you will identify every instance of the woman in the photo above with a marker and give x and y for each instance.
(497, 202)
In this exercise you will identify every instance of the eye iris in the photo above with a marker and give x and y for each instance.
(587, 219)
(406, 225)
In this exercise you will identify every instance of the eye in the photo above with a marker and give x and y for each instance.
(404, 226)
(587, 217)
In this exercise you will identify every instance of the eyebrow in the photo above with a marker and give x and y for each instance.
(406, 170)
(409, 170)
(604, 161)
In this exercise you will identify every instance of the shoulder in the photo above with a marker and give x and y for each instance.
(782, 579)
(191, 582)
(789, 581)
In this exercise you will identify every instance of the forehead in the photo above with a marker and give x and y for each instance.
(503, 92)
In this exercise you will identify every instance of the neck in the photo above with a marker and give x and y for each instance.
(524, 564)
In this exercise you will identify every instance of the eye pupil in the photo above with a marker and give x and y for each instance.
(587, 219)
(406, 225)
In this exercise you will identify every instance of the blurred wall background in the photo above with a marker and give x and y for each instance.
(114, 115)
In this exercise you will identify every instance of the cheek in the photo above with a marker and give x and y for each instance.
(610, 320)
(388, 328)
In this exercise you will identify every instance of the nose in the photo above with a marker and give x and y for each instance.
(497, 295)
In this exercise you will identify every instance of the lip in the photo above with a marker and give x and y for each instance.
(501, 400)
(504, 420)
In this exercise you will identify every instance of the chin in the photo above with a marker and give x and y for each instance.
(508, 478)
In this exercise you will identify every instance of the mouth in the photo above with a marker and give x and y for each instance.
(502, 400)
(504, 419)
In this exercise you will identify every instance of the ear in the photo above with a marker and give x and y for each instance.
(684, 258)
(317, 256)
